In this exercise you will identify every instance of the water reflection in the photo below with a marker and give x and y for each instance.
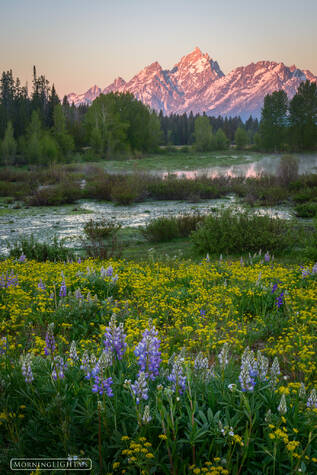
(267, 165)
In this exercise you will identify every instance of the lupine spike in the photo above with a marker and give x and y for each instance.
(282, 407)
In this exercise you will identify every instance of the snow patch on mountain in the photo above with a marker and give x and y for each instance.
(196, 83)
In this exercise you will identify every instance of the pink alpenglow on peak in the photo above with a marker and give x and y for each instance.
(196, 83)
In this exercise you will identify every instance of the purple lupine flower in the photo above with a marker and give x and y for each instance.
(85, 365)
(73, 352)
(26, 368)
(223, 356)
(8, 280)
(247, 383)
(3, 345)
(201, 362)
(148, 353)
(78, 294)
(275, 371)
(140, 388)
(249, 370)
(314, 269)
(267, 257)
(263, 365)
(274, 288)
(114, 279)
(50, 340)
(280, 300)
(22, 258)
(109, 271)
(41, 285)
(63, 290)
(102, 385)
(202, 313)
(115, 338)
(305, 273)
(312, 399)
(177, 377)
(58, 368)
(79, 260)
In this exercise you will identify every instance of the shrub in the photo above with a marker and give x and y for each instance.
(14, 189)
(167, 228)
(102, 229)
(65, 193)
(288, 169)
(306, 210)
(101, 240)
(161, 230)
(228, 232)
(40, 251)
(124, 193)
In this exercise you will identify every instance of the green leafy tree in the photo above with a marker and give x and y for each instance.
(221, 140)
(274, 121)
(303, 117)
(203, 134)
(241, 138)
(8, 146)
(106, 131)
(33, 139)
(63, 138)
(49, 151)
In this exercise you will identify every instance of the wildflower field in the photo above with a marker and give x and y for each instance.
(160, 367)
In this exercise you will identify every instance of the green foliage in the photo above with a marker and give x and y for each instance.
(203, 134)
(102, 229)
(274, 121)
(235, 233)
(161, 230)
(8, 147)
(117, 123)
(40, 251)
(101, 238)
(221, 141)
(55, 195)
(49, 149)
(167, 228)
(241, 138)
(63, 139)
(306, 210)
(303, 117)
(124, 193)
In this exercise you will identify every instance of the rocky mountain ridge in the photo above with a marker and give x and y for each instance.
(196, 83)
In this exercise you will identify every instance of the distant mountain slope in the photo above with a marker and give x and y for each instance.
(196, 83)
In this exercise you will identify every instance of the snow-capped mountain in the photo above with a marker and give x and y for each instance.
(196, 83)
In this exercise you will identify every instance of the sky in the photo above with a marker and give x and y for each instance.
(79, 43)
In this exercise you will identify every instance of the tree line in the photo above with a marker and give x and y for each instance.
(39, 128)
(289, 125)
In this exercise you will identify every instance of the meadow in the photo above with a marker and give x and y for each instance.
(160, 366)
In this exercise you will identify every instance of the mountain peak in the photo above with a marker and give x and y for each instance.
(196, 83)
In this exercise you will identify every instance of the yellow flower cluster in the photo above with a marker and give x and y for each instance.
(192, 305)
(138, 452)
(209, 468)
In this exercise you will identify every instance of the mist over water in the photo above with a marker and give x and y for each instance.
(266, 166)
